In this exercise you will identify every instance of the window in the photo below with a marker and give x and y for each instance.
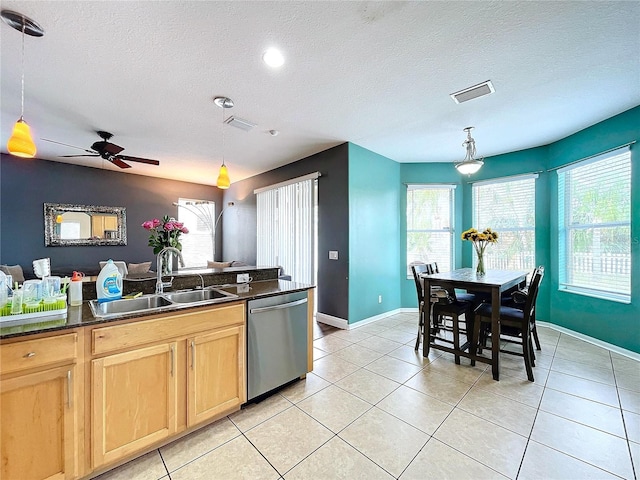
(198, 245)
(430, 225)
(595, 226)
(507, 206)
(286, 231)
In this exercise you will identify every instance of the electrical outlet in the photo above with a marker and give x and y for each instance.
(333, 255)
(242, 278)
(379, 298)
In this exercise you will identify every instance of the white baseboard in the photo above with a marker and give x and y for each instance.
(333, 321)
(345, 325)
(594, 341)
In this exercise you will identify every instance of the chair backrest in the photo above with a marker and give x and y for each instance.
(417, 270)
(432, 268)
(532, 295)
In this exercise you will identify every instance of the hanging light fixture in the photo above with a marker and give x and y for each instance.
(21, 143)
(470, 164)
(223, 181)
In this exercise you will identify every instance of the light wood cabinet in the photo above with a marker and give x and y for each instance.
(216, 375)
(134, 401)
(41, 400)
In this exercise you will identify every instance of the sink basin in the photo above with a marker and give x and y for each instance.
(195, 296)
(124, 306)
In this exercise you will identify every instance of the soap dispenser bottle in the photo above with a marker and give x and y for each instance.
(75, 289)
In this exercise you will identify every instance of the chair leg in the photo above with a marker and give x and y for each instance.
(456, 336)
(420, 326)
(535, 338)
(527, 347)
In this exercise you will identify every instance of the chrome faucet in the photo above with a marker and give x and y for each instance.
(160, 285)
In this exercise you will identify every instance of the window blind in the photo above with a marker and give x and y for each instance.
(285, 228)
(430, 220)
(507, 206)
(595, 226)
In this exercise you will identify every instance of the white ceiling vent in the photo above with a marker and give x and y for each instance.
(245, 125)
(480, 90)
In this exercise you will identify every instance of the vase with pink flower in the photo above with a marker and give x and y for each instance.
(165, 233)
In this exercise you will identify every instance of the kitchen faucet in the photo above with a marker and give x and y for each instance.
(160, 285)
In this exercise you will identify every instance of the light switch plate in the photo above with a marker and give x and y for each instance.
(333, 255)
(242, 278)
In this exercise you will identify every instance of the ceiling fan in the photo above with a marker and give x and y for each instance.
(108, 151)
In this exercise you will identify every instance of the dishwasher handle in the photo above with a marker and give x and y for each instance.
(278, 307)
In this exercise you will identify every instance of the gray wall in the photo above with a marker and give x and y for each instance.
(239, 222)
(25, 185)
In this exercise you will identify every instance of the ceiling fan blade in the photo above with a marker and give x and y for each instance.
(67, 145)
(116, 161)
(72, 156)
(138, 159)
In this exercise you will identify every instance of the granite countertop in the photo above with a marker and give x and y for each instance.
(81, 316)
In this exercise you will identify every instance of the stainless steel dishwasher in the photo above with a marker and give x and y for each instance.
(276, 342)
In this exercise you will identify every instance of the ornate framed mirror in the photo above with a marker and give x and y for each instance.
(67, 225)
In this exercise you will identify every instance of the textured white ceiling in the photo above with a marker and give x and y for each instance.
(378, 74)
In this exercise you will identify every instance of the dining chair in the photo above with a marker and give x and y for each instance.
(517, 298)
(418, 269)
(514, 323)
(449, 305)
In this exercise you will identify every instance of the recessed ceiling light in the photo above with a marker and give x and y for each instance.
(273, 58)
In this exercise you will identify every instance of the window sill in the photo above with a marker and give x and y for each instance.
(625, 299)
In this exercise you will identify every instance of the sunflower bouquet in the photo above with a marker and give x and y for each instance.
(480, 241)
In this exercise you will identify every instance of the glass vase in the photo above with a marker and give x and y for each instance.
(480, 271)
(167, 263)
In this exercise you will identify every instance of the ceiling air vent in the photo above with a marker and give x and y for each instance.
(480, 90)
(245, 125)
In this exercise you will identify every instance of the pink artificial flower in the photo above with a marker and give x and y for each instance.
(169, 226)
(178, 225)
(148, 225)
(156, 222)
(184, 230)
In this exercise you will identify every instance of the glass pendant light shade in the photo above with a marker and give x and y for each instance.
(470, 164)
(20, 143)
(223, 178)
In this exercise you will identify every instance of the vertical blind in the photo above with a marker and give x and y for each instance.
(595, 226)
(286, 228)
(507, 206)
(430, 225)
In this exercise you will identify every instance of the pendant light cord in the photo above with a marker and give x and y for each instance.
(24, 24)
(223, 107)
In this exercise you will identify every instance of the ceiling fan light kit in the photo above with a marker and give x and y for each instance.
(223, 181)
(470, 164)
(21, 142)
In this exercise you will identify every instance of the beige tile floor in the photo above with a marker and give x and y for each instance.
(374, 409)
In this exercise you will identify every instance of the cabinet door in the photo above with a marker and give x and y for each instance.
(216, 378)
(39, 420)
(133, 401)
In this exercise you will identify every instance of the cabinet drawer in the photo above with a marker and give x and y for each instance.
(109, 339)
(35, 353)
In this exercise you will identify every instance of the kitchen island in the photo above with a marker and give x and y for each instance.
(82, 395)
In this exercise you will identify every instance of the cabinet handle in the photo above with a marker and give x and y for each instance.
(30, 354)
(193, 354)
(171, 360)
(69, 389)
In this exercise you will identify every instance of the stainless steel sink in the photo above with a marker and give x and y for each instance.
(196, 296)
(156, 303)
(114, 308)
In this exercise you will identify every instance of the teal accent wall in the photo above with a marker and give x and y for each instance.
(612, 322)
(374, 234)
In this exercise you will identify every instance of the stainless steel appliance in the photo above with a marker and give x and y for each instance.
(276, 342)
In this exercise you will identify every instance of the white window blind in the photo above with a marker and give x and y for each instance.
(199, 217)
(507, 206)
(285, 228)
(430, 223)
(595, 226)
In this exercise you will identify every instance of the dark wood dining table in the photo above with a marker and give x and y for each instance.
(493, 282)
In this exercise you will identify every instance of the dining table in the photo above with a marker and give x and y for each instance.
(493, 283)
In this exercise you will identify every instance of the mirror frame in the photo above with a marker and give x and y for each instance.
(51, 210)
